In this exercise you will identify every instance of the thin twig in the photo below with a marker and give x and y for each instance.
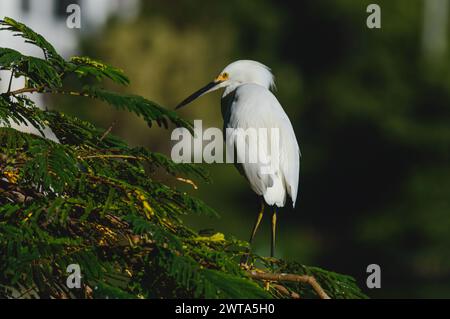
(24, 90)
(292, 278)
(107, 131)
(113, 156)
(26, 291)
(10, 82)
(29, 90)
(72, 93)
(187, 181)
(41, 90)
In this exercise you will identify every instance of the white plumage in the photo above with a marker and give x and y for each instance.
(248, 103)
(254, 106)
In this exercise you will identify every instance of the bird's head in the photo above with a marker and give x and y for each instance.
(235, 74)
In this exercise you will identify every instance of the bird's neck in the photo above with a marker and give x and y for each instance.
(230, 88)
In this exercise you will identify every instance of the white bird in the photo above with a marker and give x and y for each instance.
(247, 102)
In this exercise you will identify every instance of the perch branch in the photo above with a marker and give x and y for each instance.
(292, 278)
(283, 290)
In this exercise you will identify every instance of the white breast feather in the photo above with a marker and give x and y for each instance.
(254, 106)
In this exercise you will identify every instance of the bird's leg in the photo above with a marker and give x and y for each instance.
(244, 259)
(273, 228)
(257, 222)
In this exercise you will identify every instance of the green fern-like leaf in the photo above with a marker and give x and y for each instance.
(21, 30)
(87, 67)
(150, 111)
(39, 72)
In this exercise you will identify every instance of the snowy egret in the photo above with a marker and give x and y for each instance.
(247, 102)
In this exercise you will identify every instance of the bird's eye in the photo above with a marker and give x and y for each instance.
(222, 77)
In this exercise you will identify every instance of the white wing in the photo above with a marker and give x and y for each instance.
(253, 106)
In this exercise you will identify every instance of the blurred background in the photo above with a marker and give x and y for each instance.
(370, 107)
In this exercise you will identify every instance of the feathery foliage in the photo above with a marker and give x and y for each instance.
(94, 201)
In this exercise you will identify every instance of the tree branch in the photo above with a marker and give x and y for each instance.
(24, 90)
(310, 280)
(28, 90)
(283, 290)
(187, 181)
(113, 156)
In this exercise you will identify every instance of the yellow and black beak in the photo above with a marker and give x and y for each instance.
(207, 88)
